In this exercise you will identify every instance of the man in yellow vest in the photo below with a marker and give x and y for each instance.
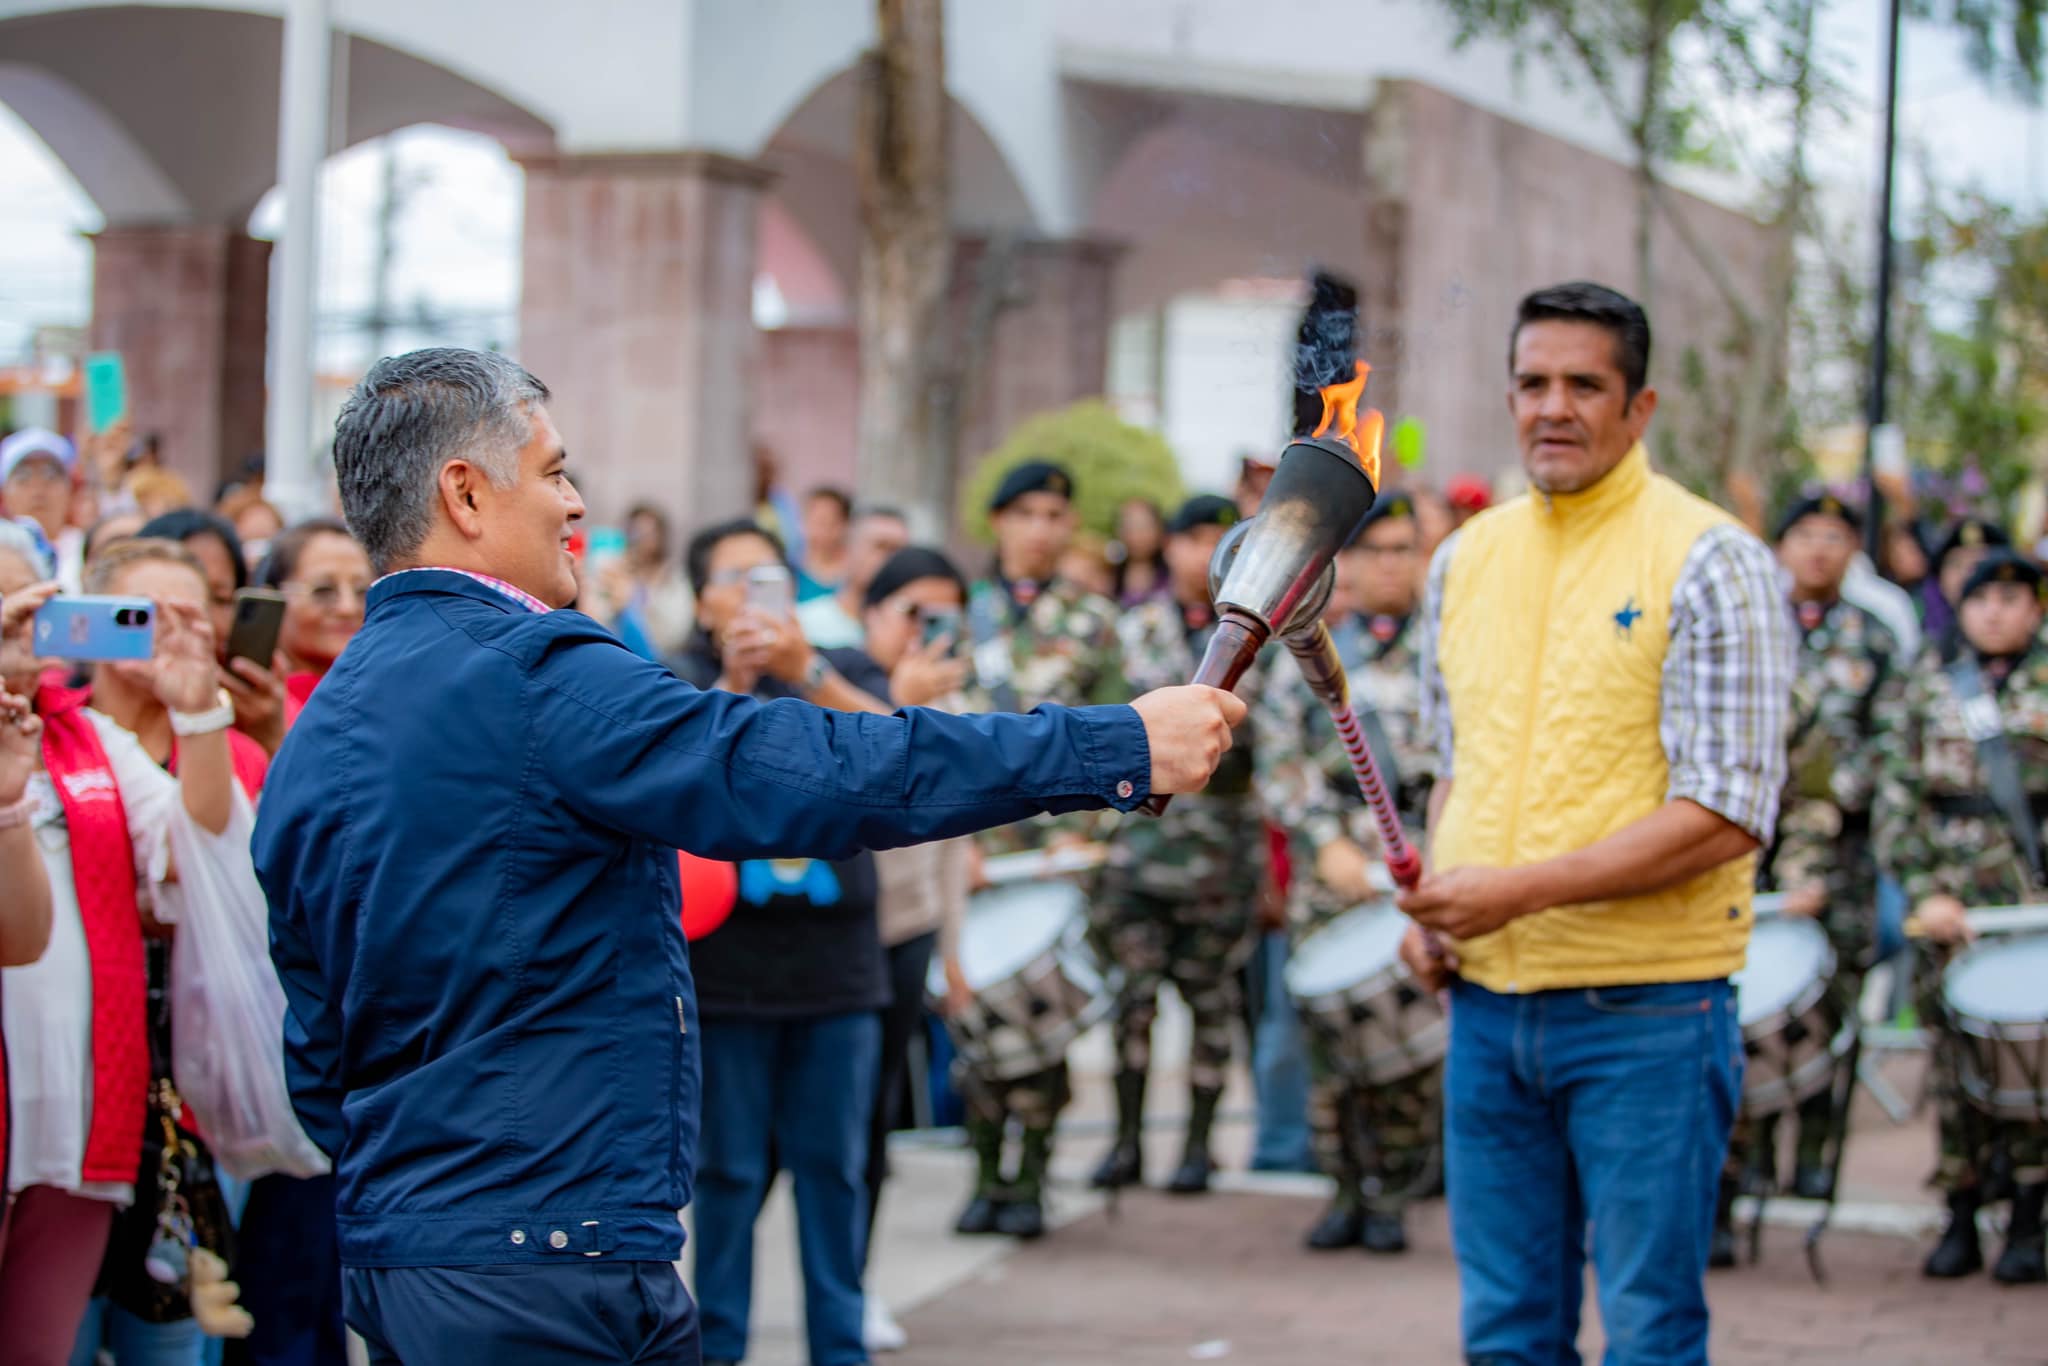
(1607, 667)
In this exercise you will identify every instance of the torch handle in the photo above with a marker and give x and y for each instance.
(1232, 648)
(1321, 665)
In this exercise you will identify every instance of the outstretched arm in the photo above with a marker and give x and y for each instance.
(728, 777)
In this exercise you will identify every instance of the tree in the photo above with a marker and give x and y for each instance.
(904, 457)
(1111, 461)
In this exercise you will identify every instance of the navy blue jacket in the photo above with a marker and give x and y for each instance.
(467, 846)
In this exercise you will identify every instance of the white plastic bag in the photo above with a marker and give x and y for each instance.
(227, 1008)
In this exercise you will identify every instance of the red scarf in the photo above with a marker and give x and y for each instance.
(103, 866)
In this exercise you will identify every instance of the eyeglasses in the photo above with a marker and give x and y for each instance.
(328, 596)
(38, 472)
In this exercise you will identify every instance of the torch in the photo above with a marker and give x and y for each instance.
(1272, 575)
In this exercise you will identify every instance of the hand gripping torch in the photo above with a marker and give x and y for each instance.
(1271, 576)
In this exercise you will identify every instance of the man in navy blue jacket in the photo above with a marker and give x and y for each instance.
(467, 845)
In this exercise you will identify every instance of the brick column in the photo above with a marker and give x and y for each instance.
(187, 308)
(1049, 343)
(637, 312)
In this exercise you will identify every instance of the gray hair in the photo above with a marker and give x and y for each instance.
(17, 541)
(410, 416)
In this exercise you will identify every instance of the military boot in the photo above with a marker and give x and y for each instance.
(2023, 1262)
(1023, 1214)
(1384, 1232)
(1342, 1224)
(983, 1208)
(1124, 1163)
(1958, 1253)
(1196, 1166)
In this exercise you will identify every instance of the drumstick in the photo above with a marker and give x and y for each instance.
(1992, 920)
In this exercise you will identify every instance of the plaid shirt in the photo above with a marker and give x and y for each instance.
(1727, 681)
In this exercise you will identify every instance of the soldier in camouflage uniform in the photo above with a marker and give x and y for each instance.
(1943, 833)
(1848, 675)
(1034, 639)
(1177, 897)
(1379, 1143)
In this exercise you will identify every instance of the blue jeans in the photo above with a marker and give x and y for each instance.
(134, 1341)
(797, 1093)
(1279, 1065)
(1580, 1115)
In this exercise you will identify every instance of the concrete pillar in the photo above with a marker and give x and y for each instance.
(1049, 342)
(637, 312)
(186, 308)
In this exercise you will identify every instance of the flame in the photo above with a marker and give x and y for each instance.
(1362, 435)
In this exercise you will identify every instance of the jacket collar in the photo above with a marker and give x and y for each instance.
(413, 581)
(1617, 488)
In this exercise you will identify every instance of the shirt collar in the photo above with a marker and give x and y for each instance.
(516, 595)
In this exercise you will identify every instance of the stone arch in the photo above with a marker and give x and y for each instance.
(193, 137)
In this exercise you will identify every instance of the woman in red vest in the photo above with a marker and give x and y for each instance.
(73, 1022)
(25, 913)
(134, 1316)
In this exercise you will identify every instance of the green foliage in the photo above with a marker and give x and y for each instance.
(2002, 38)
(1111, 461)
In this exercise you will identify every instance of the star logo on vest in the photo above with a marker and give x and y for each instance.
(1625, 619)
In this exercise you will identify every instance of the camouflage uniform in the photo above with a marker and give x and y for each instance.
(1937, 834)
(1061, 647)
(1177, 897)
(1848, 680)
(1380, 1143)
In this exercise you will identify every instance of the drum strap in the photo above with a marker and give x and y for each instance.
(2001, 766)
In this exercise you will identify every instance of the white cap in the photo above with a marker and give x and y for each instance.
(34, 441)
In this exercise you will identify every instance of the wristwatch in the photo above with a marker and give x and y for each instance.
(205, 722)
(816, 674)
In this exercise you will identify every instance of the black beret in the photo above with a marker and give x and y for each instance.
(2001, 566)
(1204, 509)
(1387, 507)
(1819, 505)
(1971, 531)
(1033, 476)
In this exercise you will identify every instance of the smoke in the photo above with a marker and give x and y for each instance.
(1326, 347)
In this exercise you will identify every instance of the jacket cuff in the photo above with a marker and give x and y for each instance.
(1116, 754)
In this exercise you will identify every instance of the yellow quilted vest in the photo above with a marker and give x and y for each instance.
(1556, 621)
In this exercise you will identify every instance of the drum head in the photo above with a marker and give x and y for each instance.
(1785, 957)
(2001, 983)
(1007, 927)
(1346, 951)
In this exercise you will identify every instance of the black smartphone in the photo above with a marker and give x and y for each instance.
(938, 624)
(259, 616)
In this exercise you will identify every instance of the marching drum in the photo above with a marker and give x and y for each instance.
(1997, 996)
(1023, 949)
(1794, 1030)
(1356, 995)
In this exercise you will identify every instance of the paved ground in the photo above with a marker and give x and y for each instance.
(1223, 1278)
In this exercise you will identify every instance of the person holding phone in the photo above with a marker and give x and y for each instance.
(73, 1021)
(912, 619)
(246, 623)
(325, 578)
(25, 911)
(790, 986)
(747, 631)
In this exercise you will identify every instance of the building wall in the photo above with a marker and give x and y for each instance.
(1485, 210)
(806, 404)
